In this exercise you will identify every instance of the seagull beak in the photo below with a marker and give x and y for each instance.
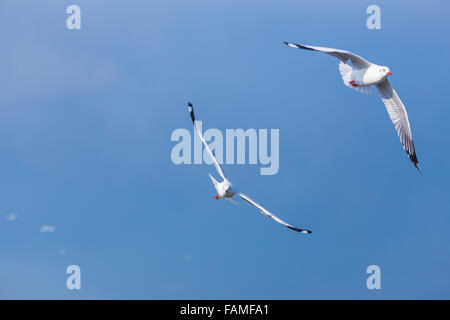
(217, 197)
(389, 73)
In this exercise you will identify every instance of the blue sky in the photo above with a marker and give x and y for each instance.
(85, 126)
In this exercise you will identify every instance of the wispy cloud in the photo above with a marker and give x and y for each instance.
(47, 228)
(41, 71)
(12, 216)
(187, 256)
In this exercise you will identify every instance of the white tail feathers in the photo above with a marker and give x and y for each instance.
(214, 181)
(346, 73)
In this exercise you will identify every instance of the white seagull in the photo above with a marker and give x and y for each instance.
(226, 190)
(361, 77)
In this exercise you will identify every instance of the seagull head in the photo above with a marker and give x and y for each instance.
(385, 71)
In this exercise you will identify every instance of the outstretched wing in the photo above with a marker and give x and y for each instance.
(270, 215)
(342, 55)
(399, 117)
(216, 164)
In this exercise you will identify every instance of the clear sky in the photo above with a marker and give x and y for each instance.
(85, 123)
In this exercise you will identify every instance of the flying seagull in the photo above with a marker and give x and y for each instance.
(226, 190)
(361, 77)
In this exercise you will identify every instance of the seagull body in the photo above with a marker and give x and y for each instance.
(360, 77)
(225, 188)
(372, 75)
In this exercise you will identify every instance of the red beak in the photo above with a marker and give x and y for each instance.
(389, 73)
(217, 197)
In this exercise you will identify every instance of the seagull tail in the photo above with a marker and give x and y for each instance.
(214, 181)
(346, 74)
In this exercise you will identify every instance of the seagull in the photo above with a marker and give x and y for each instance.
(361, 77)
(226, 190)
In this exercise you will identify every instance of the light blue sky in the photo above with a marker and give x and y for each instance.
(85, 125)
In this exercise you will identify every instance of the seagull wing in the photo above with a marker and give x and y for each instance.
(399, 117)
(270, 215)
(216, 164)
(342, 55)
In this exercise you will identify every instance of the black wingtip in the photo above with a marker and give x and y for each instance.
(413, 158)
(298, 46)
(418, 168)
(300, 230)
(191, 112)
